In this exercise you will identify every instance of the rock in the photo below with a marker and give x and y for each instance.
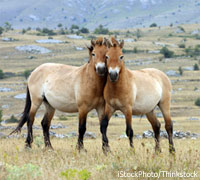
(172, 73)
(148, 134)
(79, 48)
(178, 30)
(8, 39)
(33, 49)
(193, 119)
(179, 89)
(72, 134)
(58, 126)
(159, 115)
(195, 32)
(159, 44)
(137, 136)
(49, 41)
(123, 136)
(20, 96)
(129, 40)
(163, 134)
(32, 57)
(90, 135)
(154, 52)
(5, 106)
(188, 68)
(74, 36)
(5, 89)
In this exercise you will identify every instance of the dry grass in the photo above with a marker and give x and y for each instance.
(50, 164)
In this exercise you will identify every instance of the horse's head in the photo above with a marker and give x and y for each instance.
(114, 58)
(97, 52)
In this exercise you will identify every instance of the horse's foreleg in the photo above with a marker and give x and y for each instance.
(129, 131)
(103, 127)
(156, 128)
(81, 129)
(46, 122)
(165, 108)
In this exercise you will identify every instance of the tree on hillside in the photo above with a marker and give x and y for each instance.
(1, 30)
(101, 30)
(7, 26)
(84, 30)
(153, 25)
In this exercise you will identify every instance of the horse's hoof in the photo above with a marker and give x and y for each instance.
(27, 147)
(106, 150)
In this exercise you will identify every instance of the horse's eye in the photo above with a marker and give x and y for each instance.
(121, 57)
(93, 54)
(107, 57)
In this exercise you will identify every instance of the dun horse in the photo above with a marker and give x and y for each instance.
(135, 93)
(68, 89)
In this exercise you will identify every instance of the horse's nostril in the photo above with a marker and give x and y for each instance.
(113, 77)
(101, 70)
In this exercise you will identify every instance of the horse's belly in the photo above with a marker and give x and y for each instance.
(62, 103)
(145, 105)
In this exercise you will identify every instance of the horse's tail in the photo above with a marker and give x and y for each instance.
(25, 114)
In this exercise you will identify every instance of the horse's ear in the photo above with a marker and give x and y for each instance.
(90, 48)
(108, 43)
(93, 42)
(121, 45)
(114, 41)
(105, 41)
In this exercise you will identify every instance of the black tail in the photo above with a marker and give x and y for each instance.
(25, 115)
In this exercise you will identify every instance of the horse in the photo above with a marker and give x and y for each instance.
(67, 89)
(135, 92)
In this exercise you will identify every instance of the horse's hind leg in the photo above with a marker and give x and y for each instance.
(165, 109)
(156, 128)
(34, 107)
(46, 122)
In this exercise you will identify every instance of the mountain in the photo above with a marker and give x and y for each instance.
(114, 14)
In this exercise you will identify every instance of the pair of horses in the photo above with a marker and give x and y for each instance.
(104, 84)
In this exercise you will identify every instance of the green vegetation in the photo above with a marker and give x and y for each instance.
(71, 174)
(27, 73)
(193, 52)
(7, 26)
(1, 115)
(166, 52)
(24, 172)
(1, 30)
(101, 30)
(180, 70)
(153, 25)
(181, 45)
(63, 118)
(2, 75)
(197, 102)
(12, 119)
(45, 32)
(196, 67)
(138, 34)
(134, 50)
(84, 30)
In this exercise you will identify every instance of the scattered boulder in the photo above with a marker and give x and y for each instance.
(179, 30)
(188, 68)
(195, 32)
(154, 52)
(6, 39)
(49, 41)
(33, 49)
(172, 73)
(79, 48)
(74, 36)
(129, 40)
(2, 89)
(159, 44)
(148, 134)
(57, 126)
(90, 135)
(194, 119)
(20, 96)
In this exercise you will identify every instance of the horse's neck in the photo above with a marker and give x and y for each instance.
(93, 77)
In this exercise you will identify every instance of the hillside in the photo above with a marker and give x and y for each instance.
(116, 14)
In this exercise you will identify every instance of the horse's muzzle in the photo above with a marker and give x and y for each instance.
(114, 76)
(101, 71)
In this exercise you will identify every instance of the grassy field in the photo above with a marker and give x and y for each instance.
(39, 163)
